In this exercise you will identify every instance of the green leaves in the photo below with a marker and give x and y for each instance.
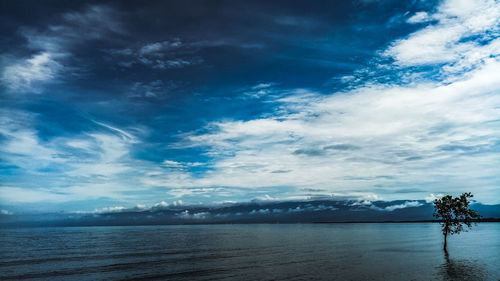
(454, 213)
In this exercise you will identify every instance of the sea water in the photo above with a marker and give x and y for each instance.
(365, 251)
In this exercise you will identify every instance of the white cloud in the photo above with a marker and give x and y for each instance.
(362, 203)
(21, 145)
(5, 212)
(180, 191)
(178, 165)
(12, 194)
(266, 197)
(177, 203)
(85, 166)
(446, 41)
(419, 17)
(406, 204)
(110, 153)
(172, 164)
(263, 86)
(311, 208)
(114, 209)
(399, 132)
(259, 212)
(124, 135)
(26, 75)
(162, 204)
(432, 197)
(258, 91)
(195, 216)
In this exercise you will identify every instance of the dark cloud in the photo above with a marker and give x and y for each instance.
(414, 158)
(281, 171)
(156, 89)
(313, 189)
(341, 147)
(463, 148)
(157, 55)
(309, 152)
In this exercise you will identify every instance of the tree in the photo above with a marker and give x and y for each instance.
(454, 214)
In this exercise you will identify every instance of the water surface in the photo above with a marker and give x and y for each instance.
(367, 251)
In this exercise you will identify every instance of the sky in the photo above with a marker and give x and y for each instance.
(116, 104)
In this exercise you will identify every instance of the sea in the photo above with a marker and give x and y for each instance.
(337, 251)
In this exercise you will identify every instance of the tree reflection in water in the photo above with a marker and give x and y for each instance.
(461, 269)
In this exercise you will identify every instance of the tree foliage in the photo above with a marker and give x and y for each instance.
(454, 213)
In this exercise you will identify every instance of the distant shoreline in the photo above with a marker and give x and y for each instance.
(22, 225)
(409, 221)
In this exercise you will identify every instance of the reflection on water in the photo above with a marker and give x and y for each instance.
(461, 269)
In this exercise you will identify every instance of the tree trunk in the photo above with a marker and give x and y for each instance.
(445, 236)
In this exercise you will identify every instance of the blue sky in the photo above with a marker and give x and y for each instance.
(115, 104)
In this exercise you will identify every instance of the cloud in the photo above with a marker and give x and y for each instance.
(21, 145)
(309, 152)
(419, 17)
(124, 135)
(266, 197)
(5, 212)
(180, 165)
(53, 46)
(12, 194)
(93, 22)
(193, 216)
(260, 212)
(172, 164)
(406, 204)
(388, 128)
(157, 55)
(84, 166)
(162, 204)
(311, 208)
(177, 203)
(153, 89)
(26, 75)
(179, 191)
(109, 156)
(110, 209)
(432, 197)
(341, 147)
(390, 208)
(158, 48)
(137, 208)
(362, 203)
(464, 35)
(324, 208)
(173, 53)
(258, 91)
